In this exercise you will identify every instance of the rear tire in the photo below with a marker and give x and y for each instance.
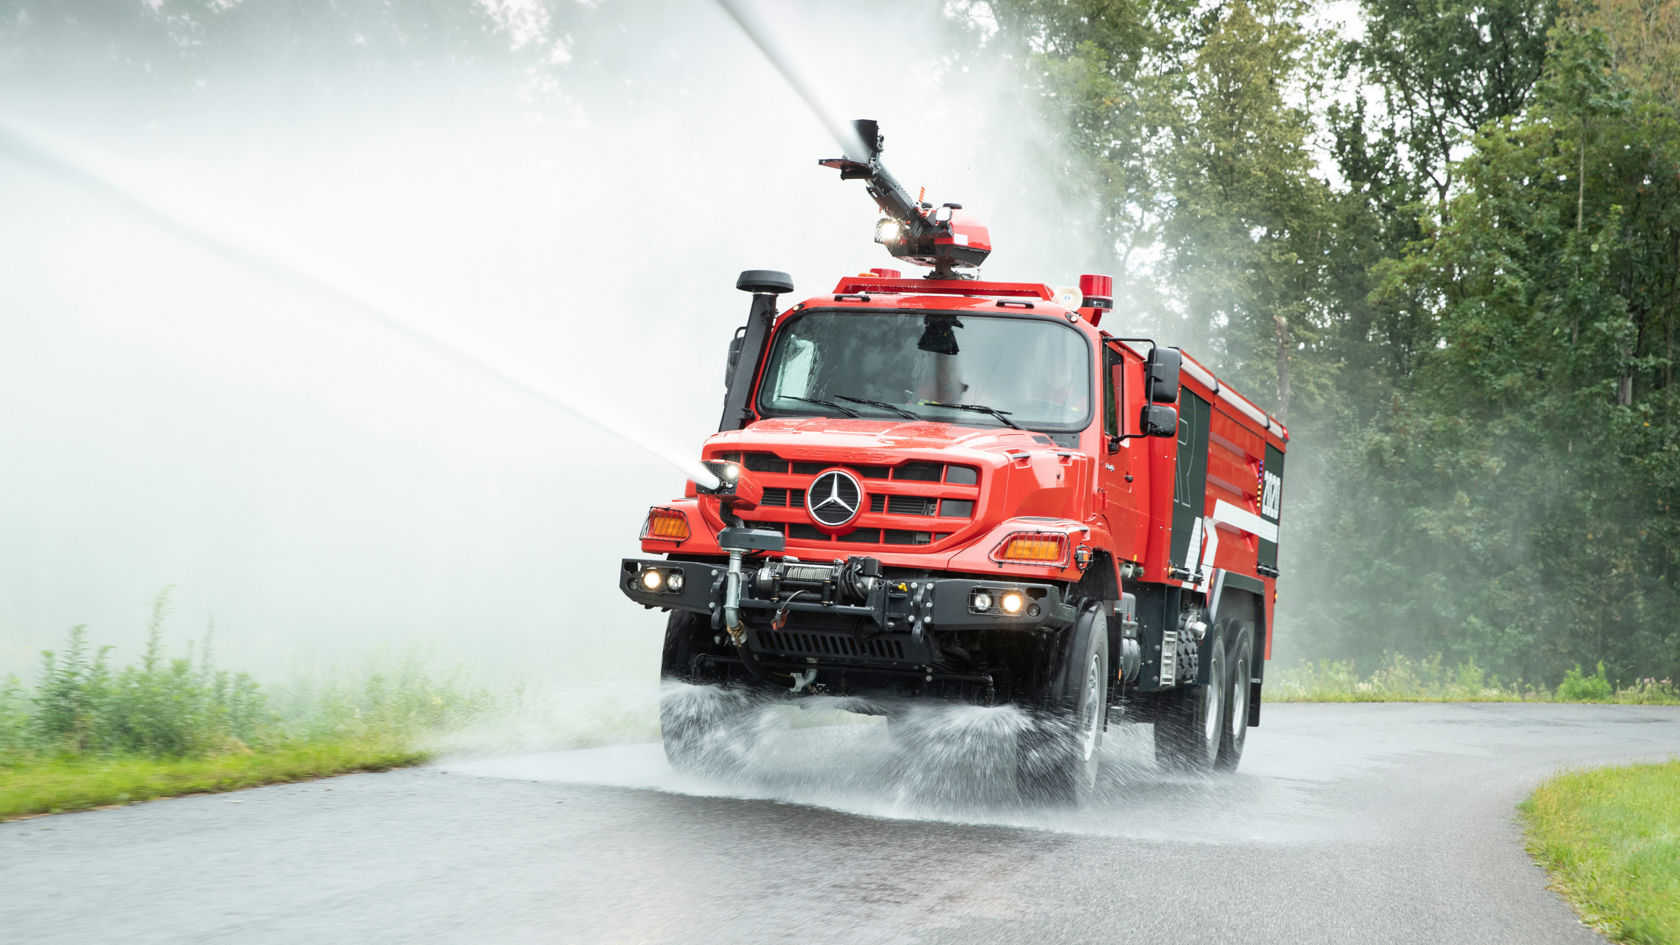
(1191, 725)
(1235, 734)
(1060, 752)
(706, 729)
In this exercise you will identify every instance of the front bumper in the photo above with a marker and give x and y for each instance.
(906, 610)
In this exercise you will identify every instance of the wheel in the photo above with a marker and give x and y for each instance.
(705, 729)
(1189, 729)
(1235, 731)
(1060, 751)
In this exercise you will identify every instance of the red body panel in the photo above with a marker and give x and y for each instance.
(1120, 502)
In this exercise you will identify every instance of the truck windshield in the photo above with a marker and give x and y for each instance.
(977, 370)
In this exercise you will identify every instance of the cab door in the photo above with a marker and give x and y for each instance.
(1123, 471)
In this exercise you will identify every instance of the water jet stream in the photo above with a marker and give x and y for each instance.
(34, 150)
(753, 25)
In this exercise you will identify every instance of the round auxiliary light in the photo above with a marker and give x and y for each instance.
(651, 579)
(1013, 601)
(675, 581)
(982, 600)
(730, 472)
(888, 231)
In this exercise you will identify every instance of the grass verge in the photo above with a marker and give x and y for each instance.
(89, 732)
(80, 782)
(1399, 679)
(1610, 838)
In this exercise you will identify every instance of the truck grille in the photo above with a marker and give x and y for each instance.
(910, 504)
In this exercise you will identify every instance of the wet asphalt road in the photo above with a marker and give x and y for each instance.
(1359, 823)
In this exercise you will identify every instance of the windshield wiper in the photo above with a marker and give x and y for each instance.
(821, 403)
(978, 408)
(882, 404)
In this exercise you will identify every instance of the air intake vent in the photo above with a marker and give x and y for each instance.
(795, 643)
(909, 505)
(920, 472)
(783, 498)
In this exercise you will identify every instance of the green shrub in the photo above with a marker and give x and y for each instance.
(14, 718)
(183, 706)
(70, 697)
(1650, 691)
(1578, 688)
(90, 733)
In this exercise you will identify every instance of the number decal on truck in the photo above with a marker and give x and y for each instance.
(1271, 495)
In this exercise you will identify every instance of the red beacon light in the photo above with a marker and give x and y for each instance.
(1097, 296)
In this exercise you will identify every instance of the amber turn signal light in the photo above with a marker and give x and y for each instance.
(665, 525)
(1032, 548)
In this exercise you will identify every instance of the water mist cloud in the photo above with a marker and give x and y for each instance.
(320, 487)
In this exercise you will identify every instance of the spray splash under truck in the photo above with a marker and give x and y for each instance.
(942, 487)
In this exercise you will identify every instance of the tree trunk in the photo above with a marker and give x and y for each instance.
(1281, 326)
(1581, 181)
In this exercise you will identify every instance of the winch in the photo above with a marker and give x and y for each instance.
(848, 581)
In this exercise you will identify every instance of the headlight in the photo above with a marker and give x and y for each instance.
(1012, 602)
(674, 582)
(981, 602)
(651, 579)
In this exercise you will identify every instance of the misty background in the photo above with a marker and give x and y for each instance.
(568, 191)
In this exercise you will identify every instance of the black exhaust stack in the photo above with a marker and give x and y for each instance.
(746, 349)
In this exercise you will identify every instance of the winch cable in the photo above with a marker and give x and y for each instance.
(35, 151)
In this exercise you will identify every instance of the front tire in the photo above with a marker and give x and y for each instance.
(705, 729)
(1060, 752)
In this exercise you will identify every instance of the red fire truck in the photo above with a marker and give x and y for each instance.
(943, 487)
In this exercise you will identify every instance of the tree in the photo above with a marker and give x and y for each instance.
(1528, 467)
(1245, 240)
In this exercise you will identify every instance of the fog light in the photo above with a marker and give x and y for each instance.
(981, 601)
(730, 472)
(1013, 601)
(651, 579)
(674, 583)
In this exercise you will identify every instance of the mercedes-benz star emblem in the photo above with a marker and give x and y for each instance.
(834, 498)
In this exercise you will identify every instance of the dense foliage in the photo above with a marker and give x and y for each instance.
(1447, 250)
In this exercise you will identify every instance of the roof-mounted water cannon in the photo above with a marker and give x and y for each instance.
(944, 238)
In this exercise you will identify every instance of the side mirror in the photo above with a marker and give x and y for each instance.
(1156, 420)
(1161, 371)
(735, 345)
